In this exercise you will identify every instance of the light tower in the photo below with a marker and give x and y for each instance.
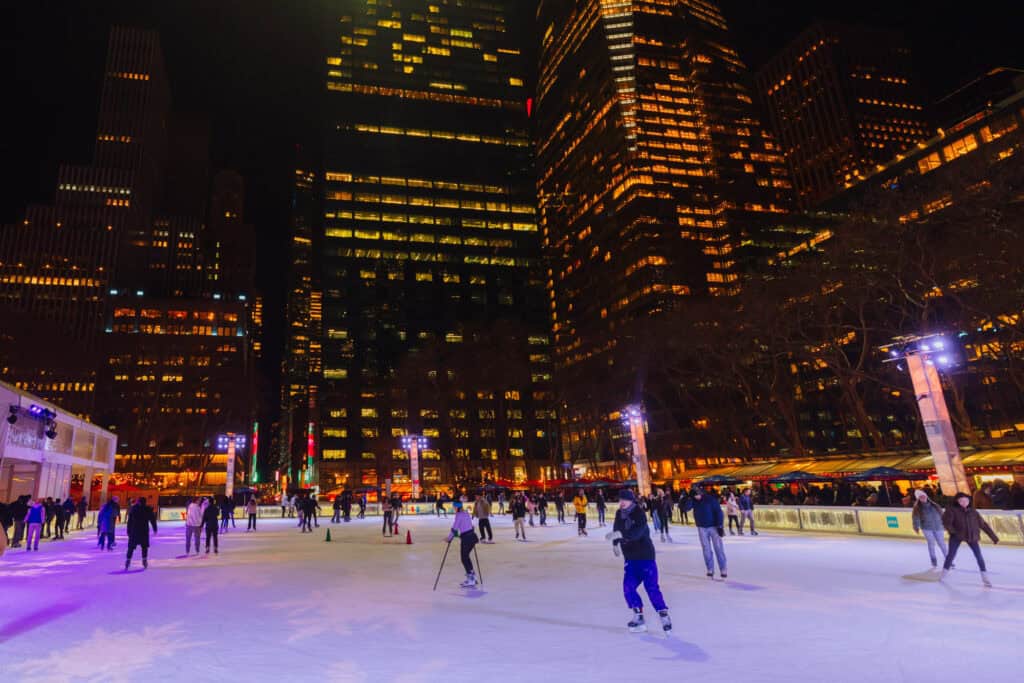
(414, 443)
(633, 418)
(229, 443)
(923, 356)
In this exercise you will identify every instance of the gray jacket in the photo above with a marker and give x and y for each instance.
(927, 515)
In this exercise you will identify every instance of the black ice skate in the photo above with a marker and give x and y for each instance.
(636, 624)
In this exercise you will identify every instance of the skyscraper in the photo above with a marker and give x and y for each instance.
(428, 249)
(842, 100)
(653, 168)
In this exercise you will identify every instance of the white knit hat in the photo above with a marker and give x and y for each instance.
(920, 493)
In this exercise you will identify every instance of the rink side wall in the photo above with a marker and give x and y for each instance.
(1008, 525)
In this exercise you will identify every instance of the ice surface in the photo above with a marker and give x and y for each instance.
(278, 605)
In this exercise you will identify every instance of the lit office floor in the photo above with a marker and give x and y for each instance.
(278, 605)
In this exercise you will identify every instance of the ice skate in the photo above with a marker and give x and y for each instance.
(985, 581)
(636, 624)
(145, 563)
(711, 575)
(724, 576)
(470, 581)
(127, 563)
(666, 621)
(943, 575)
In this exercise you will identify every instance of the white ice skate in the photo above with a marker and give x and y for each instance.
(666, 621)
(985, 581)
(470, 581)
(636, 624)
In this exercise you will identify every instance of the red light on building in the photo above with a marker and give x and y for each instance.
(529, 106)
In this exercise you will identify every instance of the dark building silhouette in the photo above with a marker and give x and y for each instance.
(841, 100)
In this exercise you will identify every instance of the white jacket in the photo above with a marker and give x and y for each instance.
(194, 513)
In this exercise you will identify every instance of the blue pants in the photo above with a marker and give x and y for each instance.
(645, 572)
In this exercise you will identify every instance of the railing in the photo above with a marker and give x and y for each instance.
(869, 521)
(873, 521)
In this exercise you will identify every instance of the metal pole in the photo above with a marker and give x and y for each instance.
(441, 568)
(479, 569)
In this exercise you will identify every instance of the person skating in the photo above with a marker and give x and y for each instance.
(210, 525)
(746, 505)
(631, 535)
(462, 526)
(560, 507)
(69, 514)
(284, 506)
(518, 508)
(50, 514)
(82, 508)
(501, 503)
(251, 509)
(106, 522)
(56, 509)
(602, 506)
(684, 508)
(309, 507)
(194, 522)
(439, 508)
(542, 509)
(531, 506)
(965, 525)
(732, 509)
(314, 509)
(225, 513)
(387, 528)
(482, 511)
(231, 513)
(707, 515)
(17, 511)
(362, 506)
(140, 519)
(665, 507)
(926, 518)
(346, 506)
(336, 518)
(34, 520)
(580, 503)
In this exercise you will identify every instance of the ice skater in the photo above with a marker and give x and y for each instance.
(518, 508)
(631, 535)
(732, 509)
(34, 519)
(336, 519)
(927, 520)
(580, 503)
(602, 506)
(387, 528)
(462, 526)
(746, 503)
(194, 514)
(965, 525)
(482, 512)
(140, 519)
(665, 506)
(362, 506)
(501, 503)
(707, 515)
(251, 509)
(106, 523)
(560, 507)
(211, 526)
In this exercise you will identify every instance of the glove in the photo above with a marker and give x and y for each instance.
(613, 536)
(721, 532)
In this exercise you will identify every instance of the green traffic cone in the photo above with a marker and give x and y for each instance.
(327, 539)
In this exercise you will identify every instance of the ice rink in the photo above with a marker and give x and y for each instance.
(277, 605)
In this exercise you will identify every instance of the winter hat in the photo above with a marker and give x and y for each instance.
(919, 493)
(457, 504)
(626, 494)
(963, 495)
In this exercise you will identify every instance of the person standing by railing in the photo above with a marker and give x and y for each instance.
(927, 520)
(707, 515)
(251, 510)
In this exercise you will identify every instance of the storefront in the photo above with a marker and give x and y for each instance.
(43, 448)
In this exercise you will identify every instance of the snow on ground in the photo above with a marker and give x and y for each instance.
(278, 605)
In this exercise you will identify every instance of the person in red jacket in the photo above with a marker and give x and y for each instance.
(965, 525)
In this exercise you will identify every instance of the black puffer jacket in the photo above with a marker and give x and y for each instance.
(636, 541)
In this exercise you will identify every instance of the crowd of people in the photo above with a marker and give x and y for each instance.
(31, 519)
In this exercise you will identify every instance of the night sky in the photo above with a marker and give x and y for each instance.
(254, 67)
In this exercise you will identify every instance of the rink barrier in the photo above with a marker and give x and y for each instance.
(1008, 525)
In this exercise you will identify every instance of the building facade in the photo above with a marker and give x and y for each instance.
(654, 170)
(841, 100)
(427, 250)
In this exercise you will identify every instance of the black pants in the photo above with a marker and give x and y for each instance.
(561, 515)
(307, 522)
(385, 530)
(581, 521)
(284, 510)
(485, 530)
(58, 531)
(337, 516)
(954, 545)
(543, 510)
(469, 541)
(211, 533)
(600, 516)
(131, 549)
(733, 519)
(252, 521)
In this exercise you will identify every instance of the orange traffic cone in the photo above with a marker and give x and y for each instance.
(408, 536)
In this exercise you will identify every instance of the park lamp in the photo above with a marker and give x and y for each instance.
(935, 350)
(409, 440)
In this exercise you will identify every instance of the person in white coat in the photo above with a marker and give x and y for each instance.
(194, 522)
